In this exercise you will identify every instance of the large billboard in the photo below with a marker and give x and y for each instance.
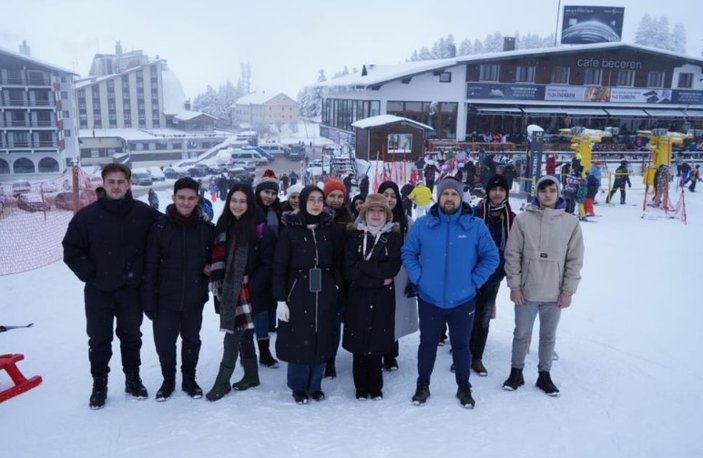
(591, 24)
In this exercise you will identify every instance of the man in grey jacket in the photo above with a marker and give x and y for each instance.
(543, 260)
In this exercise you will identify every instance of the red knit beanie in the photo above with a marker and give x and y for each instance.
(334, 184)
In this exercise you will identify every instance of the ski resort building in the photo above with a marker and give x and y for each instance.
(38, 128)
(626, 86)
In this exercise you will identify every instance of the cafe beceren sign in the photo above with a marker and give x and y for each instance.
(594, 62)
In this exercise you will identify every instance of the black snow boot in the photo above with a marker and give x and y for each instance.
(99, 394)
(189, 385)
(167, 388)
(133, 384)
(221, 386)
(544, 383)
(251, 375)
(265, 356)
(330, 369)
(515, 380)
(421, 394)
(463, 394)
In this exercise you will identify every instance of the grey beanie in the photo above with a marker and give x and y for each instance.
(450, 183)
(549, 179)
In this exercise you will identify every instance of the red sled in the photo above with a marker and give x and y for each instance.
(21, 383)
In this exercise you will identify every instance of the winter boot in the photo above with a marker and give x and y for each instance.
(99, 394)
(421, 394)
(544, 383)
(465, 398)
(478, 367)
(221, 386)
(390, 364)
(300, 397)
(318, 395)
(515, 380)
(265, 356)
(330, 369)
(133, 384)
(167, 388)
(189, 385)
(251, 375)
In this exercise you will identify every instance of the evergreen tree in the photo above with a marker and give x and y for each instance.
(465, 48)
(678, 39)
(643, 33)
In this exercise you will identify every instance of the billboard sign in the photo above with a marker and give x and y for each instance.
(591, 24)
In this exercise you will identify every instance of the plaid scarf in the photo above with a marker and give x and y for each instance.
(228, 268)
(498, 232)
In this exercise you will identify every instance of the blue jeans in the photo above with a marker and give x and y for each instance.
(306, 378)
(460, 320)
(261, 325)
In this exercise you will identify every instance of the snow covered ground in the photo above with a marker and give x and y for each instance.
(629, 369)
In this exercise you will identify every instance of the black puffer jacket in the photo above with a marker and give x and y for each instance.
(105, 243)
(309, 335)
(259, 269)
(176, 254)
(369, 319)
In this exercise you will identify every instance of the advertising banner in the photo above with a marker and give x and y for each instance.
(591, 24)
(504, 91)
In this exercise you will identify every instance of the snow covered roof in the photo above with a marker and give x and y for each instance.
(255, 98)
(149, 134)
(35, 61)
(382, 120)
(174, 95)
(379, 74)
(188, 115)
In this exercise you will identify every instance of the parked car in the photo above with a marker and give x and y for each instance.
(156, 173)
(197, 172)
(31, 202)
(64, 200)
(20, 187)
(142, 179)
(247, 165)
(171, 173)
(274, 148)
(261, 151)
(248, 155)
(296, 152)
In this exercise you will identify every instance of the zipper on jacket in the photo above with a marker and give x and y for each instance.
(446, 260)
(183, 267)
(291, 289)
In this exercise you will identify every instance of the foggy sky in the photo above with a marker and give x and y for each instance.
(286, 42)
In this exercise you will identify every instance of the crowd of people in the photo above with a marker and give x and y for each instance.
(321, 269)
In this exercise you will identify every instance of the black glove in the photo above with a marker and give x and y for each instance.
(151, 314)
(410, 290)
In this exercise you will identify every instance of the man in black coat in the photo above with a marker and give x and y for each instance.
(175, 287)
(104, 246)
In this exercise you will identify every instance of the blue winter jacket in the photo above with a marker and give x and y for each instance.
(449, 256)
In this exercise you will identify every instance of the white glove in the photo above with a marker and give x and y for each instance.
(282, 311)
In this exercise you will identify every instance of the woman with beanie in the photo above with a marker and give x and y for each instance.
(371, 260)
(335, 199)
(240, 276)
(495, 211)
(405, 307)
(355, 206)
(267, 199)
(306, 262)
(292, 198)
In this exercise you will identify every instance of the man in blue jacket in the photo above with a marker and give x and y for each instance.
(448, 254)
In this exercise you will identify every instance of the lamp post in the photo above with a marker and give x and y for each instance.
(556, 27)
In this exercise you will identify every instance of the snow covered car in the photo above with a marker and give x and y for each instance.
(31, 202)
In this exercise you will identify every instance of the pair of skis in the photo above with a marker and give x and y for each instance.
(9, 328)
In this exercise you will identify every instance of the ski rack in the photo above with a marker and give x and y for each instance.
(21, 383)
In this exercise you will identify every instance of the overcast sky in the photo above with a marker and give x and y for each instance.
(287, 41)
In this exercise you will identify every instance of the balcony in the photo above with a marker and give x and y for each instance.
(41, 103)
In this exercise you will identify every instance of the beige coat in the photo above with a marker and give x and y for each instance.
(544, 254)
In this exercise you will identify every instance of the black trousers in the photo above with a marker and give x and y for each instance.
(485, 300)
(167, 327)
(368, 376)
(102, 309)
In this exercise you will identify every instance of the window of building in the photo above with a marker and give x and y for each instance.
(592, 76)
(525, 74)
(655, 79)
(560, 75)
(84, 124)
(67, 132)
(625, 78)
(83, 117)
(126, 116)
(65, 114)
(81, 95)
(685, 80)
(489, 72)
(127, 123)
(445, 77)
(96, 106)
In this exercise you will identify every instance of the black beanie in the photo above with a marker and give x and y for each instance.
(498, 181)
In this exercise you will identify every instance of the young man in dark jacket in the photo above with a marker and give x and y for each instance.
(622, 177)
(495, 211)
(175, 287)
(104, 246)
